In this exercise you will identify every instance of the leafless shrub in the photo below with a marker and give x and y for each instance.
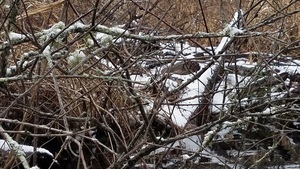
(77, 87)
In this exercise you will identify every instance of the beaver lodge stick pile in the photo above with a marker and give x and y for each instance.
(149, 84)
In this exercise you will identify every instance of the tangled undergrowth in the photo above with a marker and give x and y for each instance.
(72, 80)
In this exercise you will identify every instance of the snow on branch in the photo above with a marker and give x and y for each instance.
(10, 144)
(22, 152)
(60, 31)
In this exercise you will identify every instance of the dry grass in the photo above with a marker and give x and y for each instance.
(47, 101)
(165, 17)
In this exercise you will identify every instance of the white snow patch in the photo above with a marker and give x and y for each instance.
(180, 113)
(75, 58)
(104, 39)
(34, 167)
(119, 30)
(16, 36)
(232, 31)
(52, 31)
(77, 25)
(5, 148)
(219, 102)
(190, 144)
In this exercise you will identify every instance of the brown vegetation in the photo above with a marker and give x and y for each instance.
(77, 100)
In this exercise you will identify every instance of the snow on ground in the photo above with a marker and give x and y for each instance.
(190, 144)
(180, 114)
